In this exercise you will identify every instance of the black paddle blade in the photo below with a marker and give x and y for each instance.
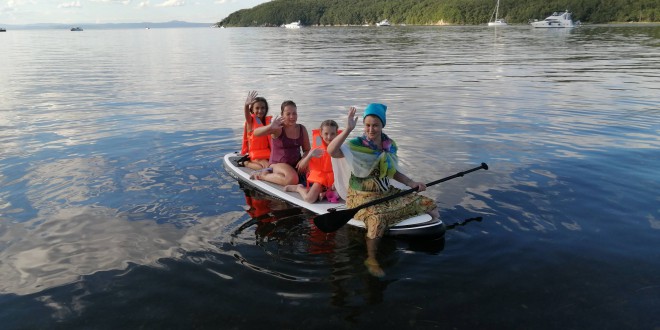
(332, 221)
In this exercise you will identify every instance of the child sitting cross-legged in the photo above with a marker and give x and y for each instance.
(320, 178)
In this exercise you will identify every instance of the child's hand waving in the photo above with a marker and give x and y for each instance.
(251, 97)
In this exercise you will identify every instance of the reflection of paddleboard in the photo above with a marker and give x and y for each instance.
(420, 225)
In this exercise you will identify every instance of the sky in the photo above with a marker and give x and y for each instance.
(119, 11)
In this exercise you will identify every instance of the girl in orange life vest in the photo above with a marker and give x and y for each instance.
(256, 147)
(320, 174)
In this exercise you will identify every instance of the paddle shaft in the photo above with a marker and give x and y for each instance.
(334, 219)
(411, 190)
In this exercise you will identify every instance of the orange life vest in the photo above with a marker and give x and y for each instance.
(320, 169)
(257, 147)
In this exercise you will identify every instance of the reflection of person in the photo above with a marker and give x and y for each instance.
(320, 176)
(370, 163)
(288, 139)
(256, 147)
(320, 242)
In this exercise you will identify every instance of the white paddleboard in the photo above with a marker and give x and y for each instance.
(421, 225)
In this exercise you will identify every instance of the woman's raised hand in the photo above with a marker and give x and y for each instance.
(276, 123)
(352, 118)
(251, 97)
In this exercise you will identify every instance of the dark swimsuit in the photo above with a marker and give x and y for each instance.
(285, 149)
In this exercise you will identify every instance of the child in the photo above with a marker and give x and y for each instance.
(256, 148)
(320, 176)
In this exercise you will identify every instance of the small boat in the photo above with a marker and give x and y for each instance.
(293, 25)
(3, 30)
(383, 23)
(77, 28)
(417, 226)
(556, 20)
(497, 21)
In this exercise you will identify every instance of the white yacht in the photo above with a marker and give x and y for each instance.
(383, 23)
(556, 20)
(293, 25)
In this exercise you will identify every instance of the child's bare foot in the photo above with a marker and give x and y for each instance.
(292, 187)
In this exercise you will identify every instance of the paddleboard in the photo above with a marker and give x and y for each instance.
(421, 225)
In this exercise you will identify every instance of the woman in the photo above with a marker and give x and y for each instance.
(372, 162)
(288, 139)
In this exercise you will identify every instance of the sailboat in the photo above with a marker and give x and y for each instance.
(497, 21)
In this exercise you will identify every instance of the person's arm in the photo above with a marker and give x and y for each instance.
(306, 146)
(334, 148)
(398, 176)
(248, 102)
(303, 164)
(274, 128)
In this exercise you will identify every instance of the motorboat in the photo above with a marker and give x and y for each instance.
(293, 25)
(77, 28)
(3, 30)
(497, 21)
(556, 20)
(383, 23)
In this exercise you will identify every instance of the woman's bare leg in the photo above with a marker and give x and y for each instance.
(283, 174)
(372, 263)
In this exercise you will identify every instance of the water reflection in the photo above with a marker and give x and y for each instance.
(60, 248)
(291, 248)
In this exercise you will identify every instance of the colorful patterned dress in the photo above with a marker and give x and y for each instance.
(371, 170)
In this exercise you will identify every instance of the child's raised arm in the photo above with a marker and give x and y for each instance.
(251, 97)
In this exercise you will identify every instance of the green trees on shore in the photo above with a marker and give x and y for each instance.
(431, 12)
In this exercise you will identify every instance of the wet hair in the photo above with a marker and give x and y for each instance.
(260, 99)
(329, 123)
(287, 103)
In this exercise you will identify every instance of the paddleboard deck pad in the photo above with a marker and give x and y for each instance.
(418, 226)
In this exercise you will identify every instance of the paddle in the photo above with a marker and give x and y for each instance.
(333, 220)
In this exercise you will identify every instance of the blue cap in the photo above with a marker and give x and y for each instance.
(377, 110)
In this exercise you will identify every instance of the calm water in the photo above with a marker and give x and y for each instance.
(115, 211)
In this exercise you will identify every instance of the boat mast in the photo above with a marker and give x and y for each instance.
(497, 10)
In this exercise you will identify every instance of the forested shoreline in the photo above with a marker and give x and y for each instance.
(437, 12)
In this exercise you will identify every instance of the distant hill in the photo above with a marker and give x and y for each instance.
(434, 12)
(104, 26)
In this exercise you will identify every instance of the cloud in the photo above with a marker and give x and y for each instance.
(172, 3)
(143, 4)
(72, 4)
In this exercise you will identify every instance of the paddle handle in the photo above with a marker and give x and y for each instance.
(411, 190)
